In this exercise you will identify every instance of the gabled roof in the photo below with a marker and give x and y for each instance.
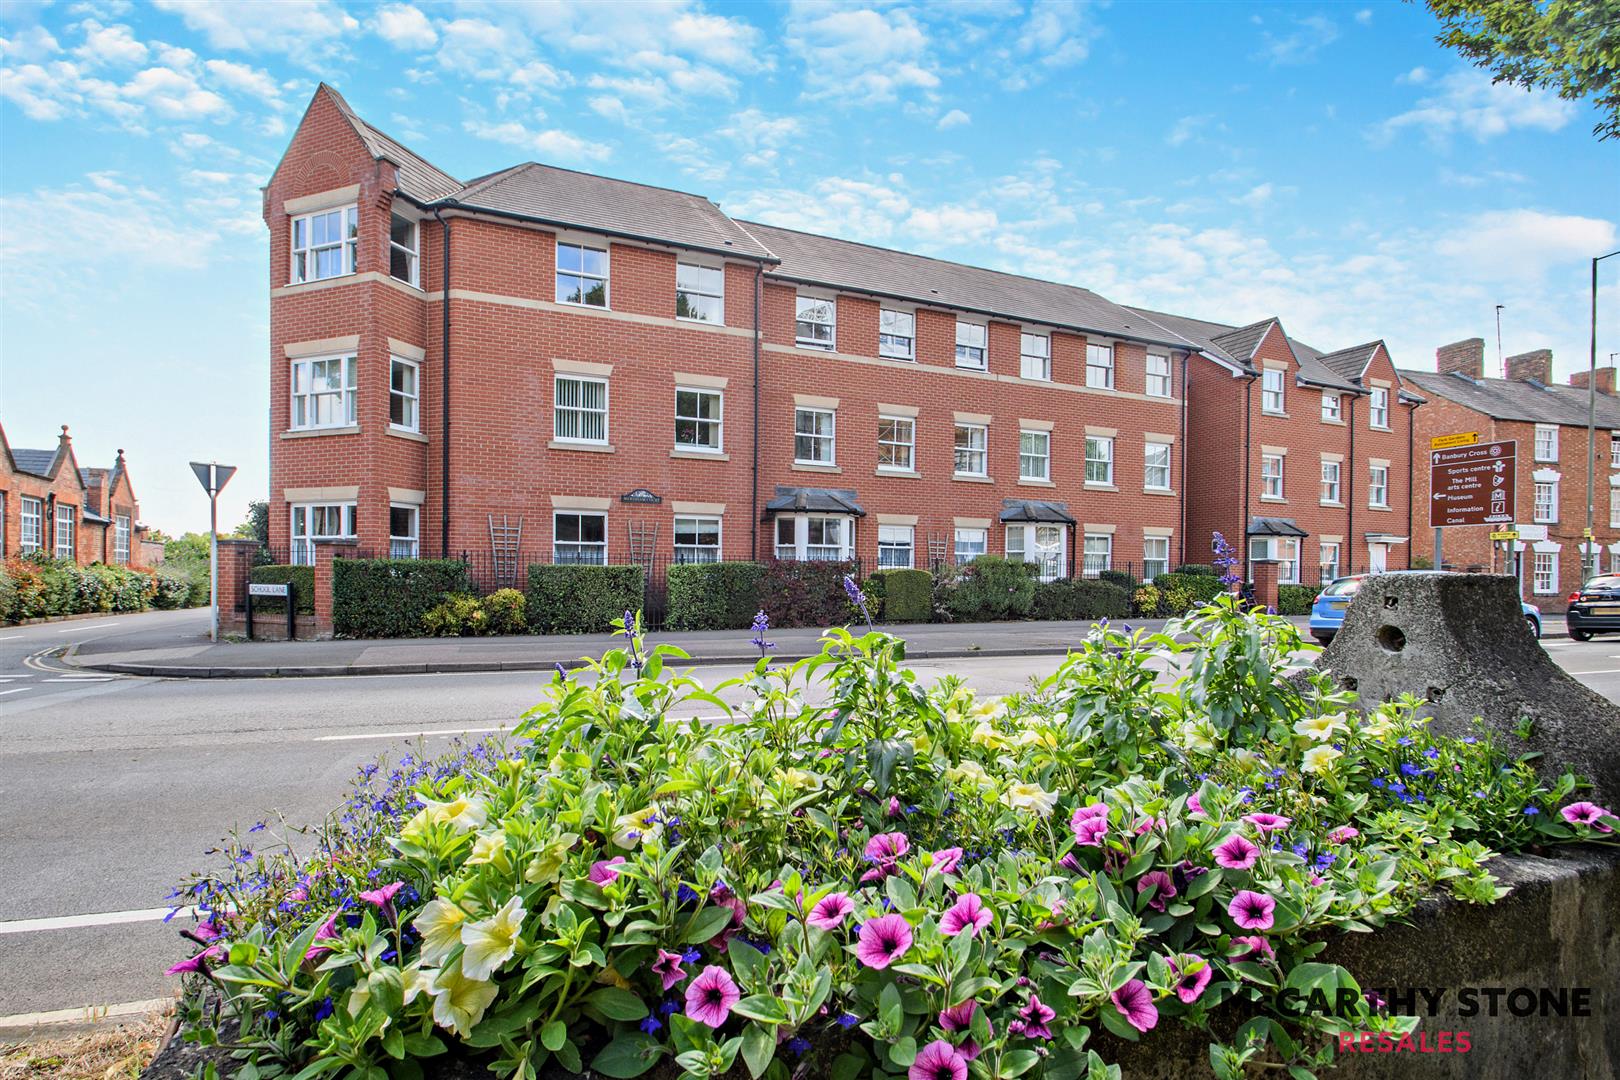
(1351, 363)
(34, 462)
(419, 179)
(1036, 510)
(844, 264)
(565, 197)
(1235, 345)
(1510, 399)
(1240, 344)
(1274, 526)
(792, 500)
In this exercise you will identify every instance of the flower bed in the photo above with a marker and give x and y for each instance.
(905, 881)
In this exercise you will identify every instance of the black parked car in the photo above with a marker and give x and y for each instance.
(1595, 609)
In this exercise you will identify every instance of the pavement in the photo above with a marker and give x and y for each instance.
(179, 648)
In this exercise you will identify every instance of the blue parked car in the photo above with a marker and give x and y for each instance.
(1327, 614)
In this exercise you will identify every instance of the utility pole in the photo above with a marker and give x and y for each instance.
(1589, 540)
(1500, 365)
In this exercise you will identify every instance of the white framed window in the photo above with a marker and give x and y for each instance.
(1546, 442)
(404, 395)
(1156, 466)
(1098, 554)
(1614, 508)
(3, 523)
(897, 443)
(324, 392)
(1330, 482)
(1099, 459)
(582, 275)
(66, 518)
(1378, 408)
(580, 409)
(897, 334)
(815, 322)
(1614, 449)
(404, 528)
(812, 537)
(121, 536)
(1378, 486)
(896, 547)
(1546, 501)
(31, 520)
(1035, 356)
(1328, 558)
(1045, 545)
(972, 457)
(814, 436)
(324, 244)
(1271, 390)
(1100, 366)
(1546, 573)
(579, 537)
(969, 544)
(1286, 549)
(310, 522)
(697, 539)
(1158, 375)
(699, 414)
(1271, 476)
(1332, 408)
(970, 345)
(1155, 556)
(404, 249)
(700, 293)
(1034, 455)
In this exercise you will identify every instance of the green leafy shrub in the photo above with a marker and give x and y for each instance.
(505, 612)
(386, 598)
(1296, 599)
(993, 588)
(1146, 601)
(1179, 592)
(947, 576)
(301, 578)
(457, 615)
(908, 595)
(806, 593)
(174, 588)
(712, 596)
(1078, 598)
(8, 595)
(42, 587)
(1196, 570)
(570, 599)
(1124, 580)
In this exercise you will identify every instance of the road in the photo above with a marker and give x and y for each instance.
(113, 788)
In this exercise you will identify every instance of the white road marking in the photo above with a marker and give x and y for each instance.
(86, 626)
(14, 678)
(16, 690)
(82, 678)
(84, 1014)
(409, 734)
(1601, 671)
(104, 918)
(12, 637)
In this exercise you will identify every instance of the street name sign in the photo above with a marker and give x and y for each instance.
(1461, 438)
(1505, 534)
(264, 588)
(1473, 485)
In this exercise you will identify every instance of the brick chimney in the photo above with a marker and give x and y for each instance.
(1467, 357)
(1536, 364)
(1605, 380)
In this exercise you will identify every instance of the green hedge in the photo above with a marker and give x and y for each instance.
(1069, 598)
(1296, 599)
(1179, 592)
(807, 593)
(37, 586)
(386, 598)
(1196, 570)
(567, 599)
(992, 588)
(908, 595)
(712, 596)
(302, 579)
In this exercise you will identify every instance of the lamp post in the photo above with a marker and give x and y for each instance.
(213, 478)
(1589, 541)
(1499, 365)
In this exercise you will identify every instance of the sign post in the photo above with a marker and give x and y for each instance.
(1471, 483)
(213, 477)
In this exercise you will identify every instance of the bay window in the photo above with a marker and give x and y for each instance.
(318, 521)
(324, 244)
(323, 392)
(1041, 544)
(814, 537)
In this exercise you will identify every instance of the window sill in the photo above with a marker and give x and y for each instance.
(1109, 388)
(971, 367)
(1382, 509)
(1035, 483)
(406, 433)
(906, 474)
(587, 447)
(1158, 491)
(698, 322)
(1092, 485)
(1335, 423)
(699, 455)
(319, 280)
(898, 360)
(969, 478)
(586, 307)
(1273, 499)
(1379, 427)
(812, 346)
(808, 466)
(311, 433)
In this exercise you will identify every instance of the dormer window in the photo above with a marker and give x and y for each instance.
(1271, 390)
(1378, 408)
(324, 244)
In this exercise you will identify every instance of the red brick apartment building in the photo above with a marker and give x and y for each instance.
(48, 503)
(624, 373)
(1549, 424)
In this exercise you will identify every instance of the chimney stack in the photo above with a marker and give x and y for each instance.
(1536, 364)
(1605, 380)
(1464, 357)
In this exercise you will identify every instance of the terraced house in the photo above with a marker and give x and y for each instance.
(547, 365)
(49, 504)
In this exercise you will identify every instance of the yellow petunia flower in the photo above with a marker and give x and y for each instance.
(987, 736)
(1320, 728)
(459, 1001)
(1320, 759)
(439, 923)
(488, 848)
(491, 942)
(1030, 797)
(969, 772)
(462, 812)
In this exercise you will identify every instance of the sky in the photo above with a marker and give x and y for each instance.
(1327, 163)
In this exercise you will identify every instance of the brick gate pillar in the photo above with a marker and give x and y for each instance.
(1265, 582)
(326, 553)
(235, 563)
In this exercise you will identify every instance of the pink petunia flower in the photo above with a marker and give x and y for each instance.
(1236, 853)
(1586, 813)
(205, 931)
(328, 932)
(1343, 834)
(710, 996)
(1194, 805)
(668, 968)
(1089, 831)
(603, 872)
(383, 896)
(1034, 1017)
(1255, 948)
(887, 847)
(1189, 988)
(959, 1018)
(947, 860)
(1135, 1003)
(198, 962)
(1252, 910)
(1268, 822)
(830, 911)
(1148, 824)
(883, 940)
(968, 913)
(1166, 888)
(939, 1060)
(1071, 864)
(878, 873)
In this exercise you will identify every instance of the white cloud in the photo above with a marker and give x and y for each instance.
(405, 27)
(730, 43)
(1364, 16)
(1415, 77)
(1256, 196)
(479, 48)
(546, 145)
(1186, 129)
(110, 45)
(950, 224)
(174, 94)
(29, 43)
(1466, 102)
(303, 29)
(862, 56)
(538, 75)
(1515, 244)
(1057, 33)
(244, 79)
(1309, 36)
(954, 118)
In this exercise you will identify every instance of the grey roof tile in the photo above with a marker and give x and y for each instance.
(823, 500)
(34, 462)
(419, 178)
(845, 264)
(1350, 363)
(1242, 342)
(1508, 399)
(1236, 345)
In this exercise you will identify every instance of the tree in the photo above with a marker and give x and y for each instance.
(1571, 47)
(256, 526)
